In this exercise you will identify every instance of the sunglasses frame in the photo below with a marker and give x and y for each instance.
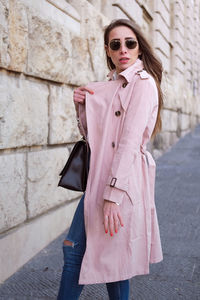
(126, 44)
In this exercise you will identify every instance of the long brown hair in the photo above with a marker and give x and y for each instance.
(151, 63)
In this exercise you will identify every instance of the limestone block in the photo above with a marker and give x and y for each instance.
(23, 112)
(58, 10)
(180, 92)
(119, 11)
(188, 73)
(22, 244)
(163, 141)
(196, 107)
(18, 36)
(188, 76)
(4, 41)
(184, 132)
(132, 8)
(173, 91)
(179, 26)
(96, 4)
(147, 30)
(165, 60)
(184, 122)
(179, 10)
(12, 190)
(167, 4)
(168, 139)
(57, 54)
(43, 176)
(169, 120)
(4, 12)
(49, 49)
(107, 9)
(62, 116)
(178, 39)
(37, 40)
(188, 102)
(188, 41)
(179, 51)
(166, 87)
(160, 25)
(82, 67)
(178, 65)
(173, 138)
(161, 43)
(193, 121)
(161, 9)
(91, 18)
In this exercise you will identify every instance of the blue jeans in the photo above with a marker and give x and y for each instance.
(73, 255)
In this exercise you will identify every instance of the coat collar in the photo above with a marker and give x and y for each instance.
(129, 73)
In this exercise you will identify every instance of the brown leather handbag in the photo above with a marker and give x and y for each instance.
(75, 172)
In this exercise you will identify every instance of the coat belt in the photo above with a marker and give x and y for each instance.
(143, 150)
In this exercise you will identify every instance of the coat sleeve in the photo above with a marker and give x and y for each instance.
(143, 101)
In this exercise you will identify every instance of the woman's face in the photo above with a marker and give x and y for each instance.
(123, 57)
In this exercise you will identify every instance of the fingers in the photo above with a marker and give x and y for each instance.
(120, 220)
(83, 88)
(106, 223)
(80, 94)
(112, 218)
(116, 223)
(79, 97)
(109, 225)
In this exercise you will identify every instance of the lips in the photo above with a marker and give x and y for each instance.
(124, 59)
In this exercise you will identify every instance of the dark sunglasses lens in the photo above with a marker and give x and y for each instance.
(115, 45)
(131, 44)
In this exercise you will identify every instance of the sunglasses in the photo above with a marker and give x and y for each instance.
(116, 44)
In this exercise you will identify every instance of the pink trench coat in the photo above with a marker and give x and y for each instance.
(118, 121)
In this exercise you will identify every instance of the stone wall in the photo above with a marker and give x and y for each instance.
(48, 47)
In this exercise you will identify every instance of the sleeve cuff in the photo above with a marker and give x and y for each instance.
(113, 194)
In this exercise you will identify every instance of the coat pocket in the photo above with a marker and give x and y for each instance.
(133, 192)
(134, 189)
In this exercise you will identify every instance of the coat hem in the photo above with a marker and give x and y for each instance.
(114, 279)
(155, 261)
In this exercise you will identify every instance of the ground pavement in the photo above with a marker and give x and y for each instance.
(178, 207)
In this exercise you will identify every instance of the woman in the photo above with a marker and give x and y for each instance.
(114, 234)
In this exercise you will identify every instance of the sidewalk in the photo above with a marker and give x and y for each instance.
(178, 208)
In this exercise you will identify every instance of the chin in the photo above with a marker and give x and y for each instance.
(125, 67)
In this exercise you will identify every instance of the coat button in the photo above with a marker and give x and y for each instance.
(117, 113)
(113, 144)
(124, 84)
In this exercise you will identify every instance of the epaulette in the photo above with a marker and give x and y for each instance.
(143, 74)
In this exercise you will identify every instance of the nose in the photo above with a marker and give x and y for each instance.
(123, 48)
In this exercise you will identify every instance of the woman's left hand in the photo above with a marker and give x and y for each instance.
(112, 217)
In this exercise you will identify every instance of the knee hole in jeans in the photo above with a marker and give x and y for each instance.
(68, 243)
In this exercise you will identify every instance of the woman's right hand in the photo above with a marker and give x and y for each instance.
(80, 93)
(112, 217)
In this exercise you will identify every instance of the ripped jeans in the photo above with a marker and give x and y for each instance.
(73, 255)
